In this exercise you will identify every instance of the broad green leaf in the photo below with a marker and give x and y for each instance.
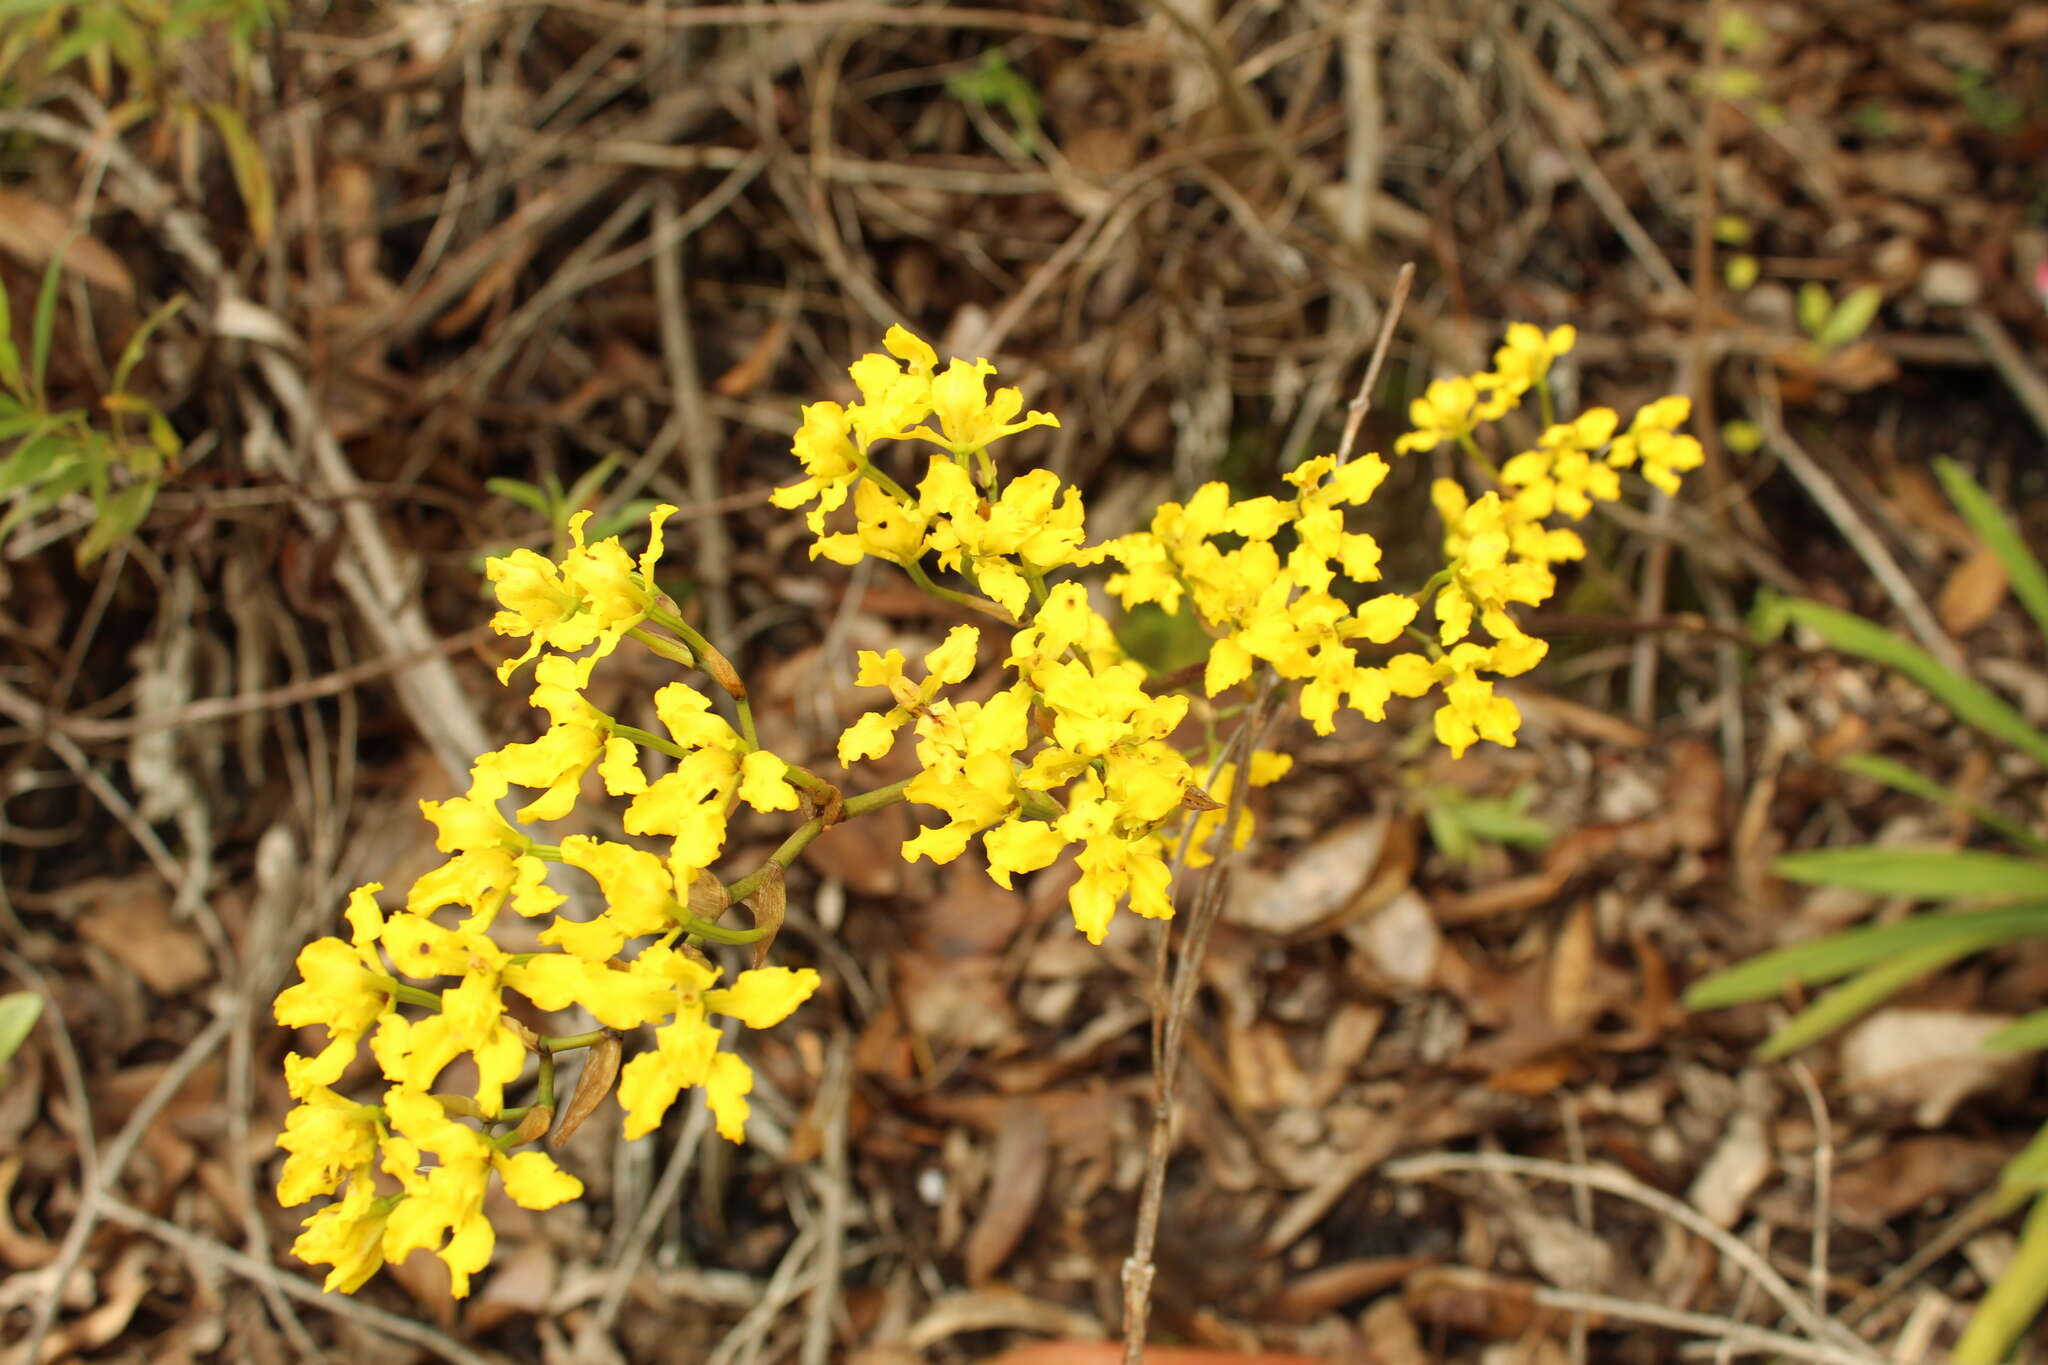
(1850, 318)
(2022, 567)
(252, 177)
(33, 460)
(45, 320)
(118, 517)
(1837, 955)
(2026, 1034)
(19, 1011)
(1924, 873)
(1901, 778)
(1857, 997)
(70, 474)
(1850, 633)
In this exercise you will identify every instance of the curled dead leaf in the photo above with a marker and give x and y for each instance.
(600, 1070)
(768, 905)
(1972, 593)
(33, 231)
(1019, 1165)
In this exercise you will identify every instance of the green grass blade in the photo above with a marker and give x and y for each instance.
(1980, 707)
(2022, 567)
(1899, 777)
(1837, 955)
(45, 320)
(19, 1011)
(2015, 1299)
(1851, 1001)
(131, 354)
(1925, 873)
(10, 358)
(2026, 1034)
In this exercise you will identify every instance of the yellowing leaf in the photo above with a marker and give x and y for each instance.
(252, 177)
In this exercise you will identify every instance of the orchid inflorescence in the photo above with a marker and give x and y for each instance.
(1079, 748)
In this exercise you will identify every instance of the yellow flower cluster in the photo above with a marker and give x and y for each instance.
(425, 993)
(1075, 749)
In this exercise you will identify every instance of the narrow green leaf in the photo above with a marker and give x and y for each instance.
(1925, 873)
(2006, 1312)
(588, 482)
(1977, 705)
(131, 354)
(10, 357)
(632, 515)
(252, 176)
(1857, 997)
(1901, 778)
(2022, 567)
(169, 445)
(2028, 1170)
(118, 517)
(2026, 1034)
(519, 491)
(45, 321)
(19, 1011)
(1837, 955)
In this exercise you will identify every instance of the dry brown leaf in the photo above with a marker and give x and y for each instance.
(1972, 593)
(1474, 1301)
(1736, 1170)
(1560, 1250)
(1317, 882)
(1263, 1073)
(970, 916)
(866, 854)
(1390, 1335)
(1569, 998)
(768, 905)
(1401, 941)
(1019, 1165)
(1112, 1353)
(134, 927)
(120, 1293)
(31, 231)
(981, 1310)
(753, 368)
(18, 1250)
(958, 1002)
(593, 1083)
(1932, 1059)
(518, 1286)
(1904, 1175)
(1328, 1288)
